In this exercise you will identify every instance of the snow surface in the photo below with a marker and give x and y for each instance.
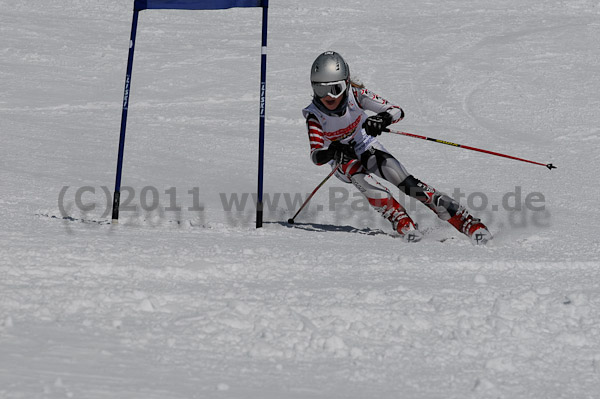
(198, 303)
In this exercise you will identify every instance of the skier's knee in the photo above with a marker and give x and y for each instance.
(442, 204)
(415, 188)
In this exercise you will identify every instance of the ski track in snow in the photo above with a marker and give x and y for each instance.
(200, 304)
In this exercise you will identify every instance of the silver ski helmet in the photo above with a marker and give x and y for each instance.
(329, 75)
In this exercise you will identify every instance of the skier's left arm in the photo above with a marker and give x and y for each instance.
(386, 113)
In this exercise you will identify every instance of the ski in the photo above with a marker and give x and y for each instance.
(322, 228)
(73, 219)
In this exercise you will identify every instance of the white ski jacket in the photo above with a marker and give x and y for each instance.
(324, 128)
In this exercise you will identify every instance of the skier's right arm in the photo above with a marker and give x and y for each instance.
(318, 154)
(337, 151)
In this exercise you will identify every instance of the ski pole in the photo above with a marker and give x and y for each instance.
(291, 220)
(466, 147)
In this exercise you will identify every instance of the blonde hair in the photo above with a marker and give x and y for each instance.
(357, 84)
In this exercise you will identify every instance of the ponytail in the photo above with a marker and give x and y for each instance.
(357, 84)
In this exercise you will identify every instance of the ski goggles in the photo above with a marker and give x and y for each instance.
(331, 89)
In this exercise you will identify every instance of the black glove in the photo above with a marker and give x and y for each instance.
(375, 124)
(341, 153)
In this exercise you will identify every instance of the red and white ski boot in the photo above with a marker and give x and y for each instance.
(470, 226)
(401, 222)
(407, 229)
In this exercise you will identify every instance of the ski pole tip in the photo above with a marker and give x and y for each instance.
(550, 166)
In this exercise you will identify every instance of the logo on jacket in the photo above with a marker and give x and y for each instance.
(345, 132)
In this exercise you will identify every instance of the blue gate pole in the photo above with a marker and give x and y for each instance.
(261, 133)
(117, 196)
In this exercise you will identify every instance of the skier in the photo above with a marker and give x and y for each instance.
(343, 135)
